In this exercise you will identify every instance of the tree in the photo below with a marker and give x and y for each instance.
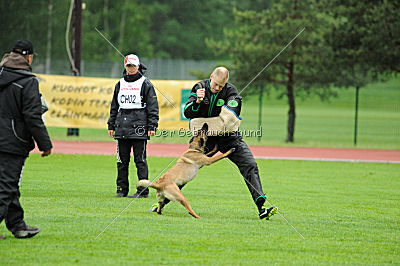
(23, 27)
(24, 20)
(178, 28)
(303, 68)
(121, 23)
(365, 39)
(154, 28)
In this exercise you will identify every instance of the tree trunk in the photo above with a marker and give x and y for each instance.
(49, 36)
(291, 102)
(290, 87)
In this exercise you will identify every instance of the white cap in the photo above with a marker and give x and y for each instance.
(131, 59)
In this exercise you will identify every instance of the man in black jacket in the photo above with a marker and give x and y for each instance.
(21, 125)
(133, 119)
(205, 100)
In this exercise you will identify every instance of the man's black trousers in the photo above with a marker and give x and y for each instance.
(138, 146)
(244, 160)
(11, 167)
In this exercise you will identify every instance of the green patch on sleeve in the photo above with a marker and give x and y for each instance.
(233, 103)
(220, 102)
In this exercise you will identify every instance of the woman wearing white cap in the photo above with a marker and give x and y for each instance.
(133, 119)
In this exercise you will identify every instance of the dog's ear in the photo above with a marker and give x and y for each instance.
(204, 127)
(201, 142)
(191, 140)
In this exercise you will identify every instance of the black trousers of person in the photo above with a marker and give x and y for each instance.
(11, 167)
(243, 159)
(125, 146)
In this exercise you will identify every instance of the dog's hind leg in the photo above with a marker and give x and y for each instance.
(173, 192)
(160, 198)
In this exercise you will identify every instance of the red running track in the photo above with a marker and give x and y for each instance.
(260, 152)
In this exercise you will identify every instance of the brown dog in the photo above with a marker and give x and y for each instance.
(184, 171)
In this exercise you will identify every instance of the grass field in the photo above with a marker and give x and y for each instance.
(348, 213)
(319, 124)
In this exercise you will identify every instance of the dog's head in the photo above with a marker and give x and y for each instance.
(198, 141)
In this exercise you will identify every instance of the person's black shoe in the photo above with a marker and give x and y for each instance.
(267, 213)
(28, 232)
(120, 195)
(138, 195)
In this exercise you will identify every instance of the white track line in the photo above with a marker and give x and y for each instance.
(325, 159)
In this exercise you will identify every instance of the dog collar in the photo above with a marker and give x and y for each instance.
(196, 150)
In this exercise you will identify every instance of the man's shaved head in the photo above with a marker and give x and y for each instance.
(219, 78)
(221, 75)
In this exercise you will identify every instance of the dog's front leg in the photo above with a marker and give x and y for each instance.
(213, 150)
(214, 159)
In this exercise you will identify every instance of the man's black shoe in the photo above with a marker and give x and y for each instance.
(267, 213)
(138, 195)
(120, 195)
(28, 232)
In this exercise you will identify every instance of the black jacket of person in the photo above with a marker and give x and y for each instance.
(212, 102)
(134, 123)
(20, 108)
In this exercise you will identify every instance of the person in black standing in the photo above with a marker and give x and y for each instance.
(133, 119)
(21, 125)
(205, 100)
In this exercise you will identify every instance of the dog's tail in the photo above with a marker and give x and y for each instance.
(147, 183)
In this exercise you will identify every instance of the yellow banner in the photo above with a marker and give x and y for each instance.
(84, 102)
